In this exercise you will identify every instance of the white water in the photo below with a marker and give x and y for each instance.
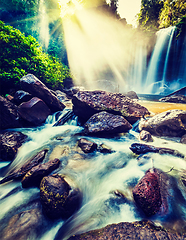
(97, 175)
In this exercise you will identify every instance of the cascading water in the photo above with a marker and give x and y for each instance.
(157, 69)
(97, 175)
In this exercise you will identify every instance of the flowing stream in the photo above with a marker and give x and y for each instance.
(106, 180)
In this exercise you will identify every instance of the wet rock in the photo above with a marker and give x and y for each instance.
(67, 116)
(106, 123)
(58, 198)
(140, 148)
(169, 123)
(87, 103)
(145, 136)
(183, 139)
(147, 193)
(10, 142)
(34, 86)
(174, 99)
(183, 176)
(9, 117)
(104, 148)
(86, 145)
(20, 172)
(21, 96)
(35, 175)
(24, 225)
(131, 231)
(34, 111)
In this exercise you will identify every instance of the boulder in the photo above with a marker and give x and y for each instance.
(34, 176)
(57, 197)
(9, 117)
(10, 142)
(104, 148)
(24, 225)
(169, 123)
(139, 148)
(152, 193)
(106, 123)
(183, 139)
(132, 95)
(34, 86)
(34, 111)
(145, 136)
(87, 103)
(29, 164)
(174, 99)
(21, 96)
(145, 230)
(86, 145)
(147, 193)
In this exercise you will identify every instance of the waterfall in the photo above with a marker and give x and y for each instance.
(157, 69)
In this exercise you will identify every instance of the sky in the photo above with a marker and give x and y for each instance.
(128, 9)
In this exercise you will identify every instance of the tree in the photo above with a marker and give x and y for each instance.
(148, 18)
(172, 12)
(20, 55)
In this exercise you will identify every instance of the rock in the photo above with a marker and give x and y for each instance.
(147, 193)
(87, 103)
(19, 173)
(169, 123)
(145, 136)
(21, 96)
(24, 225)
(58, 199)
(10, 98)
(34, 176)
(152, 193)
(86, 145)
(104, 149)
(66, 116)
(10, 141)
(174, 99)
(139, 148)
(34, 111)
(183, 176)
(9, 117)
(132, 95)
(145, 230)
(183, 139)
(34, 86)
(106, 123)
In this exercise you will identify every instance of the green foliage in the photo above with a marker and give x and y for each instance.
(20, 55)
(172, 12)
(149, 14)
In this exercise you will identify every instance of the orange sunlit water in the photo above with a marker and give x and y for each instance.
(158, 107)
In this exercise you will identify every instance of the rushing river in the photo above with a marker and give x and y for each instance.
(102, 178)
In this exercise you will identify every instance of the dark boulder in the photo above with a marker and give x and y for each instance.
(147, 193)
(34, 86)
(9, 117)
(34, 176)
(183, 139)
(58, 198)
(87, 103)
(169, 123)
(145, 136)
(21, 96)
(139, 148)
(34, 111)
(24, 225)
(145, 230)
(86, 145)
(10, 142)
(174, 99)
(104, 148)
(29, 164)
(106, 123)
